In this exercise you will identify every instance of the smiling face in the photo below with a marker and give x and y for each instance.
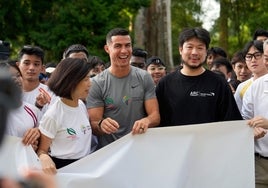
(157, 71)
(193, 53)
(119, 50)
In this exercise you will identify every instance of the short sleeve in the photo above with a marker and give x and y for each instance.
(149, 87)
(94, 98)
(248, 104)
(48, 126)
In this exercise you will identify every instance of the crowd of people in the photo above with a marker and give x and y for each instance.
(72, 108)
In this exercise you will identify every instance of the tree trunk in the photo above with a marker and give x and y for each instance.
(223, 25)
(154, 33)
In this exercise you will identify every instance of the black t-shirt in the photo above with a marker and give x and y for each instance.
(195, 99)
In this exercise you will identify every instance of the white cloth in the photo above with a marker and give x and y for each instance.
(255, 103)
(69, 129)
(208, 155)
(22, 119)
(16, 157)
(193, 156)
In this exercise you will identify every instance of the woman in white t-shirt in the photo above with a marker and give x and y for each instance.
(65, 129)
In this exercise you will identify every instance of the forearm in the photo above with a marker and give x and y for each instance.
(47, 163)
(153, 119)
(96, 118)
(44, 145)
(152, 109)
(96, 126)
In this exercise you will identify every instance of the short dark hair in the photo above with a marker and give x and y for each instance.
(95, 60)
(260, 32)
(238, 57)
(255, 43)
(217, 51)
(32, 50)
(196, 32)
(223, 61)
(139, 52)
(68, 73)
(115, 32)
(75, 48)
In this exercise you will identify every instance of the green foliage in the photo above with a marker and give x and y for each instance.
(184, 14)
(56, 24)
(244, 18)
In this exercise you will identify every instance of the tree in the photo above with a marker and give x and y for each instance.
(157, 27)
(158, 33)
(185, 13)
(223, 24)
(55, 24)
(237, 23)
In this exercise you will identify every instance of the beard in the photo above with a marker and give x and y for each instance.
(193, 67)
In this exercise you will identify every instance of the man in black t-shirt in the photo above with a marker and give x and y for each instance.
(193, 94)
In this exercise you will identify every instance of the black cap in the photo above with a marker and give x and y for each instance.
(154, 60)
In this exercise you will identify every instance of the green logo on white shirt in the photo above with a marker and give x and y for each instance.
(71, 131)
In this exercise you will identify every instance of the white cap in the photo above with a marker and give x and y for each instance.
(50, 69)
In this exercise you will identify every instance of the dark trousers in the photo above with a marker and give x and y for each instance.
(62, 162)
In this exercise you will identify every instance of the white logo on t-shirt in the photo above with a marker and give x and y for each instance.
(201, 94)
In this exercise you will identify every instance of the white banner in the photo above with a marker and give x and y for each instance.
(15, 157)
(194, 156)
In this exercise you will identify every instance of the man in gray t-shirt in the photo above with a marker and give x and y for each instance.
(122, 98)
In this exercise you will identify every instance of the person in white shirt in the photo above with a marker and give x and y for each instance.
(65, 129)
(254, 109)
(253, 51)
(30, 63)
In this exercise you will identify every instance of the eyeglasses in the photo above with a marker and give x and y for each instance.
(139, 65)
(256, 55)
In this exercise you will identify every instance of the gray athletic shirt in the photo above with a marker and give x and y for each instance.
(122, 98)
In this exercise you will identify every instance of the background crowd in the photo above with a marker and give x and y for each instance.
(74, 107)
